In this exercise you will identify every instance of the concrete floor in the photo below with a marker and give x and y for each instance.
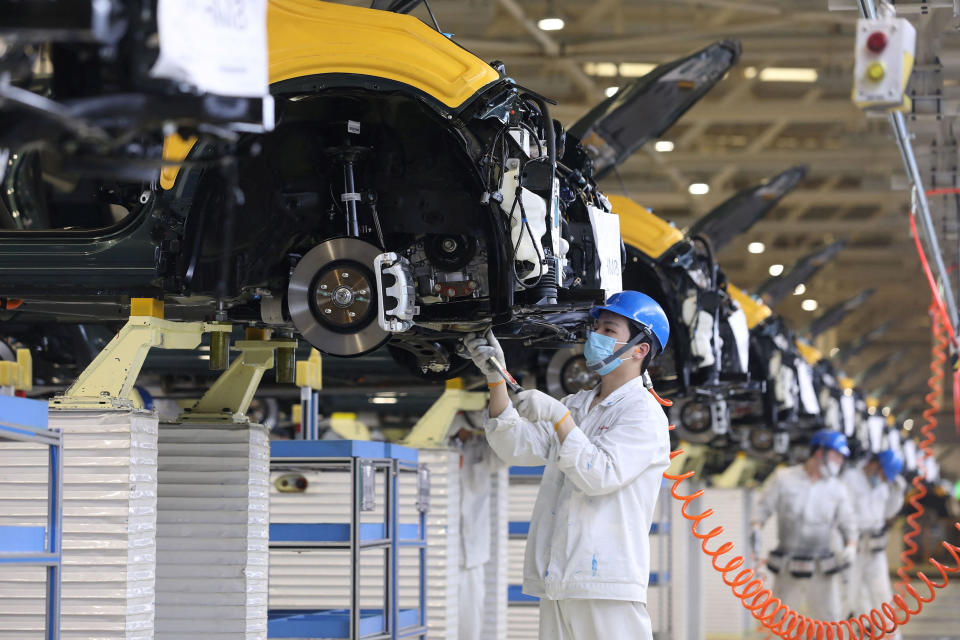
(940, 620)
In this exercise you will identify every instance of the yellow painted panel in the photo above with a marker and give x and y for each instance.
(307, 37)
(810, 353)
(756, 312)
(846, 383)
(642, 229)
(175, 149)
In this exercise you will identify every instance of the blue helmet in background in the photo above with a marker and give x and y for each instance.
(830, 439)
(640, 309)
(891, 463)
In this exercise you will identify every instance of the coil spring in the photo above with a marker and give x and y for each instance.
(933, 398)
(780, 619)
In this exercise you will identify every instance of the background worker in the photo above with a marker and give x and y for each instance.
(876, 490)
(605, 451)
(477, 464)
(811, 503)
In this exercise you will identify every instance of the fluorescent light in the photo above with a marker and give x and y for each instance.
(788, 74)
(750, 73)
(699, 189)
(834, 351)
(383, 400)
(756, 247)
(551, 24)
(775, 270)
(663, 146)
(885, 411)
(601, 69)
(908, 424)
(635, 69)
(800, 290)
(809, 305)
(611, 91)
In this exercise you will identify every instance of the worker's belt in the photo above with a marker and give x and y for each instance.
(804, 565)
(876, 541)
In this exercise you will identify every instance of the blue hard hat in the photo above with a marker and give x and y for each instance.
(831, 440)
(891, 463)
(642, 309)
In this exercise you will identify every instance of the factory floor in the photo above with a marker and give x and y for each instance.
(940, 620)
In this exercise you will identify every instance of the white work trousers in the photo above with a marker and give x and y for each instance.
(817, 596)
(869, 585)
(471, 599)
(594, 620)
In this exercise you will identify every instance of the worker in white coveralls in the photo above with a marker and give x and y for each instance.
(811, 504)
(876, 491)
(477, 464)
(605, 451)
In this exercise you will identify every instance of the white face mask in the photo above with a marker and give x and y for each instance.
(830, 469)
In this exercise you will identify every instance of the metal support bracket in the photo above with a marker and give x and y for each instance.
(107, 382)
(431, 429)
(229, 397)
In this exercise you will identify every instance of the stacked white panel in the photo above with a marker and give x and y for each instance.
(495, 570)
(443, 542)
(109, 527)
(212, 532)
(524, 618)
(724, 613)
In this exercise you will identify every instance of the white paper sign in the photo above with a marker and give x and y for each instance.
(218, 46)
(606, 233)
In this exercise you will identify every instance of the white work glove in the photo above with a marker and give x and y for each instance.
(537, 406)
(481, 349)
(900, 484)
(848, 554)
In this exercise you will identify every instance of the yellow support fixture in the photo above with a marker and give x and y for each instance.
(692, 459)
(311, 38)
(756, 312)
(109, 379)
(348, 427)
(810, 353)
(18, 373)
(737, 474)
(229, 397)
(847, 384)
(310, 371)
(431, 429)
(643, 230)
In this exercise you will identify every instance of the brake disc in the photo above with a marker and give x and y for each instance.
(333, 298)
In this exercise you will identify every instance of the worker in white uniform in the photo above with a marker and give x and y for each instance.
(811, 504)
(604, 450)
(876, 490)
(477, 464)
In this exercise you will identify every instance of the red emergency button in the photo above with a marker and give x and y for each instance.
(877, 41)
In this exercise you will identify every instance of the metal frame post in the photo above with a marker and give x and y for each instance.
(54, 536)
(355, 549)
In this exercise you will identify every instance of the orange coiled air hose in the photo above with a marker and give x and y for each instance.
(780, 619)
(935, 382)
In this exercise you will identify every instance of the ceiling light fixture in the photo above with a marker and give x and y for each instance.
(600, 69)
(636, 69)
(788, 74)
(611, 91)
(834, 351)
(756, 247)
(383, 400)
(663, 146)
(775, 270)
(551, 24)
(800, 290)
(809, 305)
(699, 189)
(750, 73)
